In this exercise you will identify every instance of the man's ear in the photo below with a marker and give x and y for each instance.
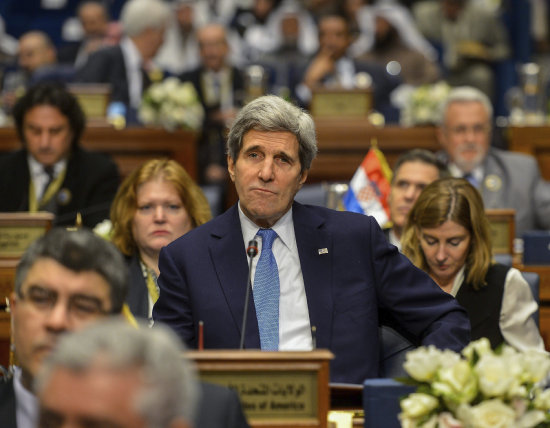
(231, 168)
(303, 177)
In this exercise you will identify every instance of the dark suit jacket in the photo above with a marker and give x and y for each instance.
(92, 180)
(219, 407)
(204, 275)
(7, 404)
(211, 144)
(107, 66)
(138, 294)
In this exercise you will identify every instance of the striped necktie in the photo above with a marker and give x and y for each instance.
(266, 293)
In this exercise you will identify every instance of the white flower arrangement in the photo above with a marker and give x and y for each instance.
(481, 388)
(171, 104)
(423, 104)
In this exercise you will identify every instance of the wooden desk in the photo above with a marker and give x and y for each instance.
(129, 147)
(533, 140)
(343, 143)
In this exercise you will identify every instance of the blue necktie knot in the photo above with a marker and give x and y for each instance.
(268, 236)
(266, 293)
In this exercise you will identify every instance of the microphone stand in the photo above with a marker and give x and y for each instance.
(252, 251)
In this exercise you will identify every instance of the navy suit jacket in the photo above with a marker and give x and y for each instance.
(204, 274)
(138, 294)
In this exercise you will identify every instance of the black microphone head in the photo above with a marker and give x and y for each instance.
(252, 249)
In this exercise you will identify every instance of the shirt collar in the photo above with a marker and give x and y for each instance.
(36, 168)
(284, 228)
(457, 283)
(477, 172)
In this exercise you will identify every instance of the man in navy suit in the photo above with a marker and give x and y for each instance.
(336, 270)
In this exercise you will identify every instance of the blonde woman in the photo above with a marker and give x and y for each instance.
(448, 236)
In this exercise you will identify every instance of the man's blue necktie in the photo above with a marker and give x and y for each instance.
(266, 293)
(472, 179)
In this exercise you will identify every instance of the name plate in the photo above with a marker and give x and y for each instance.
(18, 230)
(341, 102)
(277, 389)
(93, 99)
(285, 395)
(502, 228)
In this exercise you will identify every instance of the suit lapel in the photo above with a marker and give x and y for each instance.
(315, 251)
(231, 265)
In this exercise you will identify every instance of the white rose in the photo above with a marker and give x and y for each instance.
(536, 366)
(488, 414)
(171, 84)
(157, 93)
(447, 420)
(147, 114)
(481, 347)
(456, 384)
(422, 363)
(530, 419)
(418, 404)
(542, 399)
(496, 375)
(187, 94)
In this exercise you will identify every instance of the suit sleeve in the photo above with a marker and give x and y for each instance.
(173, 305)
(103, 191)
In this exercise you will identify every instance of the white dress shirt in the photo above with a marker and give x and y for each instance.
(294, 325)
(26, 403)
(133, 62)
(39, 177)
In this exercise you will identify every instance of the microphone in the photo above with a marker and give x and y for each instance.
(251, 251)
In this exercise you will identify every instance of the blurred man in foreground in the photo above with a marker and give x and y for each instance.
(114, 375)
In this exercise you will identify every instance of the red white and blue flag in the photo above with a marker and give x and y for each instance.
(369, 188)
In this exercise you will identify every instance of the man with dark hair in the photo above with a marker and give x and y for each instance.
(52, 172)
(333, 67)
(64, 281)
(67, 280)
(413, 171)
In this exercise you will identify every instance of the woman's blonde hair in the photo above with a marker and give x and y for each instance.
(124, 205)
(457, 200)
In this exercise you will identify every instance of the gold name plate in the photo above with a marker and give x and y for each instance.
(18, 230)
(341, 102)
(277, 389)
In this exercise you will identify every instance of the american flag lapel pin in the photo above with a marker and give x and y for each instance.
(323, 251)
